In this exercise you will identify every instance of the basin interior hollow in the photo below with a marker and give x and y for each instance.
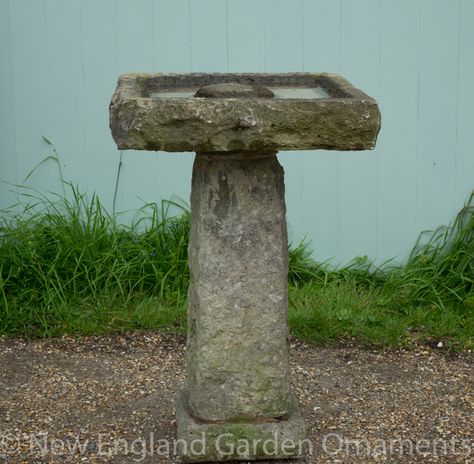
(295, 86)
(297, 92)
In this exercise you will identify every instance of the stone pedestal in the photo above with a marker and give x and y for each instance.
(237, 353)
(238, 404)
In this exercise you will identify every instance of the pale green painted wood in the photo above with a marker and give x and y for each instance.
(465, 104)
(173, 53)
(283, 45)
(321, 172)
(283, 35)
(359, 171)
(66, 83)
(31, 92)
(136, 50)
(172, 35)
(8, 158)
(61, 58)
(246, 36)
(209, 35)
(436, 174)
(99, 22)
(398, 140)
(135, 35)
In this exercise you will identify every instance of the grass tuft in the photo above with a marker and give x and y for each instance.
(68, 266)
(429, 300)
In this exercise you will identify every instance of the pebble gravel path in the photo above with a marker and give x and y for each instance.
(111, 399)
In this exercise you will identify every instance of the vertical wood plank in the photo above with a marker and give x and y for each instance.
(135, 36)
(65, 65)
(321, 173)
(464, 176)
(398, 139)
(438, 90)
(173, 53)
(246, 35)
(284, 36)
(359, 171)
(209, 35)
(322, 36)
(99, 36)
(172, 35)
(152, 177)
(284, 53)
(292, 162)
(136, 53)
(31, 92)
(8, 153)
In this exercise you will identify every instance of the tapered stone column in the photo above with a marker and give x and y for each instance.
(238, 383)
(237, 365)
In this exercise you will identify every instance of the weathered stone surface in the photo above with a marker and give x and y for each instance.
(237, 355)
(241, 441)
(347, 120)
(232, 90)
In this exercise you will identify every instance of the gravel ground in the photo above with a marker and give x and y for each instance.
(107, 395)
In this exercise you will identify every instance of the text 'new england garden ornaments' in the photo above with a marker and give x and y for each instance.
(238, 403)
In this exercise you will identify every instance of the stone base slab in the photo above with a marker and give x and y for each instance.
(204, 441)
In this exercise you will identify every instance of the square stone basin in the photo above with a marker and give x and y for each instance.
(301, 111)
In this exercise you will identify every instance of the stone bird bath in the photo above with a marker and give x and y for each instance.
(238, 404)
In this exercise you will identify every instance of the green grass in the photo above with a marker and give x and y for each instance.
(323, 313)
(68, 266)
(429, 299)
